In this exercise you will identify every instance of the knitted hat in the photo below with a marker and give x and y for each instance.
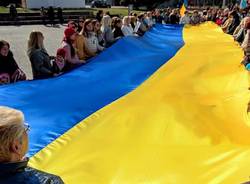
(61, 52)
(69, 32)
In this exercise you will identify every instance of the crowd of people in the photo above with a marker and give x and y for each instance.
(86, 38)
(82, 40)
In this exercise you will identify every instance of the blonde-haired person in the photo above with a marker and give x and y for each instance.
(240, 31)
(41, 62)
(107, 31)
(133, 21)
(127, 30)
(14, 145)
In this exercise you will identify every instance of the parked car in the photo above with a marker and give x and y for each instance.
(100, 4)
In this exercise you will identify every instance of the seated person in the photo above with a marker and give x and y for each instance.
(98, 32)
(117, 31)
(68, 44)
(127, 29)
(9, 70)
(240, 31)
(92, 42)
(107, 31)
(141, 28)
(42, 64)
(14, 145)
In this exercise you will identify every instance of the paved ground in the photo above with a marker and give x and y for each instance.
(18, 37)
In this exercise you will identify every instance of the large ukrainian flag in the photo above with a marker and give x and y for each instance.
(147, 110)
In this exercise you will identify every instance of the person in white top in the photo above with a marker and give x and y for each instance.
(127, 30)
(92, 42)
(185, 19)
(149, 20)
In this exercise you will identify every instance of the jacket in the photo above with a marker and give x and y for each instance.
(20, 173)
(42, 66)
(81, 48)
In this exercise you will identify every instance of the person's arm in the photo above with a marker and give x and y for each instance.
(69, 58)
(86, 49)
(109, 36)
(125, 31)
(99, 47)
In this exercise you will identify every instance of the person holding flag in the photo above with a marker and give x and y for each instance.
(243, 4)
(184, 7)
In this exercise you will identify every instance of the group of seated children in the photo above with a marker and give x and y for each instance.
(82, 40)
(87, 38)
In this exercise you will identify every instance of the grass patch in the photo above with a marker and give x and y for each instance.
(19, 10)
(113, 11)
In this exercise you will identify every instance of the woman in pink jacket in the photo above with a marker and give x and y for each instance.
(71, 57)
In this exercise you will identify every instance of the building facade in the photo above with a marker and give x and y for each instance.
(55, 3)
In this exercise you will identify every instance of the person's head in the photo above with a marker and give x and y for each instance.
(141, 17)
(106, 21)
(107, 13)
(117, 23)
(88, 26)
(247, 23)
(226, 12)
(13, 135)
(100, 13)
(81, 22)
(4, 48)
(132, 19)
(186, 13)
(157, 12)
(149, 14)
(126, 20)
(135, 15)
(70, 35)
(195, 13)
(96, 25)
(72, 24)
(36, 40)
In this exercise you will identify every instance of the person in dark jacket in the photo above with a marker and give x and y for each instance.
(117, 25)
(43, 66)
(51, 15)
(60, 15)
(43, 15)
(13, 147)
(99, 15)
(157, 17)
(174, 17)
(235, 23)
(9, 70)
(13, 12)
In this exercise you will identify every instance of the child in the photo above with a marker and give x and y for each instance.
(60, 58)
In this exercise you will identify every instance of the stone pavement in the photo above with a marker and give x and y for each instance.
(18, 37)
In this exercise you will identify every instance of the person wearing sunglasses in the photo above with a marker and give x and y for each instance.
(14, 145)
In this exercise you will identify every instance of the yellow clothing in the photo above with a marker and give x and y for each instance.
(81, 49)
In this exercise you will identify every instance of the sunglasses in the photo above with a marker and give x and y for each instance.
(26, 127)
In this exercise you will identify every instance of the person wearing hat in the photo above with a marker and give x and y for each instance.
(14, 140)
(71, 58)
